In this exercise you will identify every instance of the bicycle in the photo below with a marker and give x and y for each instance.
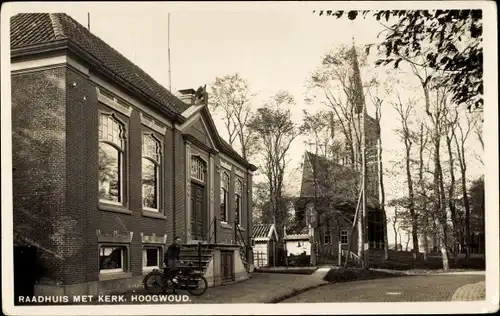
(187, 279)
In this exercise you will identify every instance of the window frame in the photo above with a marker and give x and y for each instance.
(327, 233)
(160, 250)
(123, 256)
(199, 163)
(104, 204)
(159, 164)
(238, 201)
(346, 236)
(226, 196)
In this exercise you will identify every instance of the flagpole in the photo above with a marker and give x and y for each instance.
(168, 45)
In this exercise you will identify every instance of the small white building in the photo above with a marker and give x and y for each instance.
(297, 244)
(264, 239)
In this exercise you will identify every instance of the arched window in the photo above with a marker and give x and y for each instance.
(238, 194)
(111, 159)
(224, 198)
(151, 172)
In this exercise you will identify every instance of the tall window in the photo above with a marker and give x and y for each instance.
(238, 193)
(224, 199)
(343, 236)
(151, 166)
(112, 259)
(111, 159)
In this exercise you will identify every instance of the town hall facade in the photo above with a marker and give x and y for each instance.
(109, 166)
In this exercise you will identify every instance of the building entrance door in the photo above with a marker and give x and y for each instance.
(198, 207)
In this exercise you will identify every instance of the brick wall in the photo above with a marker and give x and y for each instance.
(83, 176)
(55, 161)
(39, 167)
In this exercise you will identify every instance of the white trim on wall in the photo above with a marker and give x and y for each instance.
(114, 104)
(141, 106)
(231, 162)
(38, 63)
(152, 124)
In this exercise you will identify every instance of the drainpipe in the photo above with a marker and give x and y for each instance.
(173, 179)
(249, 219)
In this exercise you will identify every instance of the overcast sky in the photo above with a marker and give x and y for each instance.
(273, 50)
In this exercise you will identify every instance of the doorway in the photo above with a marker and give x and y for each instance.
(227, 266)
(198, 207)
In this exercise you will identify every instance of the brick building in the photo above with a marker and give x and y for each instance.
(329, 195)
(109, 166)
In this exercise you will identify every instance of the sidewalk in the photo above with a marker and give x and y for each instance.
(470, 292)
(261, 288)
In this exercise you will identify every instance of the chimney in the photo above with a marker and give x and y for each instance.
(187, 96)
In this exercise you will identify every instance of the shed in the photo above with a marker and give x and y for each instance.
(264, 239)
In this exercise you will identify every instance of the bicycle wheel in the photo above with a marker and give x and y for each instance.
(154, 283)
(197, 285)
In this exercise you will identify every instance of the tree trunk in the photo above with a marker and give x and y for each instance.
(407, 241)
(425, 241)
(423, 195)
(451, 191)
(395, 236)
(440, 198)
(382, 190)
(467, 213)
(463, 171)
(414, 224)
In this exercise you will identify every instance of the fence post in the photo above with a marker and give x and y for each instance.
(340, 254)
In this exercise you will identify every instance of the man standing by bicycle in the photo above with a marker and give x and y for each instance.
(171, 259)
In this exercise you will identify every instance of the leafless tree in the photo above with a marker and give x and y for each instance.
(276, 131)
(460, 140)
(435, 109)
(231, 97)
(449, 130)
(406, 136)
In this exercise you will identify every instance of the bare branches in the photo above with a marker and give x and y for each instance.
(276, 131)
(231, 98)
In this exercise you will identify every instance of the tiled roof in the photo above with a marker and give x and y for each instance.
(297, 237)
(28, 29)
(261, 230)
(333, 181)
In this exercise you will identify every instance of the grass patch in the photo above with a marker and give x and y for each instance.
(288, 270)
(294, 292)
(356, 274)
(431, 264)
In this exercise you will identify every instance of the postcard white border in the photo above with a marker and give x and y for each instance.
(490, 159)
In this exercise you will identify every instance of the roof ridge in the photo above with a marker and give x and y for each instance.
(56, 26)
